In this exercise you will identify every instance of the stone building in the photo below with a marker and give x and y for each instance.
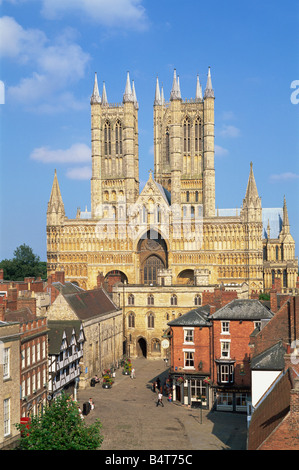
(102, 325)
(170, 234)
(9, 383)
(172, 224)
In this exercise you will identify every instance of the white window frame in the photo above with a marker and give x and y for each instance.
(225, 326)
(187, 331)
(225, 353)
(6, 416)
(186, 352)
(6, 363)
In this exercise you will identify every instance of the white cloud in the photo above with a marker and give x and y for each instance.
(229, 131)
(125, 14)
(220, 151)
(77, 153)
(288, 176)
(82, 173)
(55, 65)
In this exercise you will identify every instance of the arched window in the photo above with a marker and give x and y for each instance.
(273, 276)
(131, 320)
(156, 345)
(150, 299)
(118, 138)
(187, 134)
(276, 252)
(167, 147)
(284, 274)
(192, 212)
(196, 196)
(151, 320)
(107, 138)
(187, 196)
(197, 300)
(173, 300)
(131, 299)
(197, 128)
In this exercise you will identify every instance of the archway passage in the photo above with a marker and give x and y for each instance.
(141, 348)
(186, 277)
(152, 251)
(112, 278)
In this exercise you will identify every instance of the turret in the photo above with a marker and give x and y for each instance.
(252, 206)
(96, 190)
(208, 151)
(55, 212)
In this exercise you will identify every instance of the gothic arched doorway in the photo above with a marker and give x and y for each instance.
(152, 250)
(141, 347)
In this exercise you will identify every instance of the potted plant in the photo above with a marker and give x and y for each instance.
(207, 380)
(127, 367)
(107, 381)
(180, 380)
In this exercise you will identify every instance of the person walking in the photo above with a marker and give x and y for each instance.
(159, 401)
(133, 373)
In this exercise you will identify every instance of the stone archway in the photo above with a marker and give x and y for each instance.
(141, 348)
(152, 252)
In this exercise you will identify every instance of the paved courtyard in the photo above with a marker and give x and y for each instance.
(132, 421)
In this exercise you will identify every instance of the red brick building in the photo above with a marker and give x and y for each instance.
(210, 354)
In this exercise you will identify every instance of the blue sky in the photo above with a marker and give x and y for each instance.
(50, 50)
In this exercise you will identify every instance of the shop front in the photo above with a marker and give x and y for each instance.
(191, 390)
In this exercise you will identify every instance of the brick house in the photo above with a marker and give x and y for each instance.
(274, 424)
(232, 327)
(210, 351)
(33, 359)
(190, 357)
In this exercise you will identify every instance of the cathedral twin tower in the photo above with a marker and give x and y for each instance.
(152, 237)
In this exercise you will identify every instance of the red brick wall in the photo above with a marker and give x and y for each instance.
(201, 346)
(283, 326)
(219, 297)
(283, 438)
(239, 348)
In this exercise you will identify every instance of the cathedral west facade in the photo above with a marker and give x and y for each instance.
(171, 233)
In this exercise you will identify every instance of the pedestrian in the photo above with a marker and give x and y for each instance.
(133, 373)
(91, 404)
(96, 379)
(159, 401)
(169, 397)
(158, 383)
(154, 386)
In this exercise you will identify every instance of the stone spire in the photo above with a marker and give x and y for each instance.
(198, 94)
(95, 97)
(251, 192)
(104, 96)
(175, 93)
(209, 92)
(285, 222)
(55, 212)
(134, 95)
(157, 94)
(128, 95)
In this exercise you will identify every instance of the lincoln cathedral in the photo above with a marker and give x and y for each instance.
(169, 242)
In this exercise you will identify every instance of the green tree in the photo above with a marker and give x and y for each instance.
(60, 427)
(24, 264)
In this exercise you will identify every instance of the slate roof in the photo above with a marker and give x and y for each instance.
(67, 288)
(22, 315)
(243, 309)
(271, 411)
(89, 304)
(196, 317)
(270, 359)
(56, 330)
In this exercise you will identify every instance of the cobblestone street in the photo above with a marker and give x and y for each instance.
(132, 421)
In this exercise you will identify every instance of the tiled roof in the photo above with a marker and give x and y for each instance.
(56, 330)
(270, 359)
(89, 304)
(243, 309)
(21, 315)
(196, 317)
(271, 411)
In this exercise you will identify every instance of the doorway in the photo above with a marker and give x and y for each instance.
(141, 348)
